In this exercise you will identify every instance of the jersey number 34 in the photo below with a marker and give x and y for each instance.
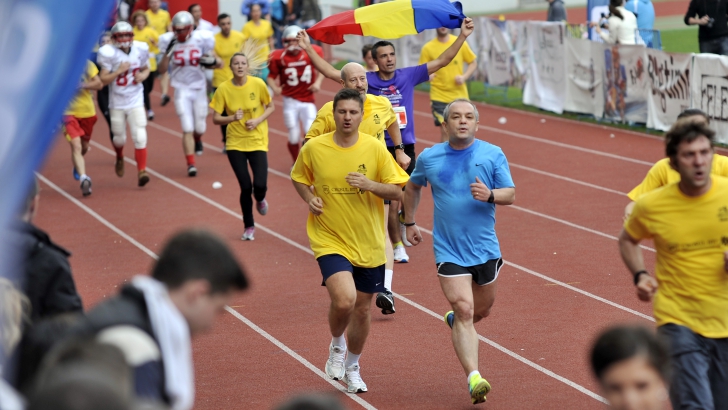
(293, 78)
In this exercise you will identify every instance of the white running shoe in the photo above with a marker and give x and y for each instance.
(353, 380)
(249, 234)
(335, 364)
(400, 255)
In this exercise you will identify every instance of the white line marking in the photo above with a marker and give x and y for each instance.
(232, 311)
(308, 251)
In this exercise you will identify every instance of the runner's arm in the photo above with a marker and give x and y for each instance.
(318, 62)
(396, 135)
(412, 195)
(108, 77)
(391, 192)
(504, 196)
(446, 57)
(94, 83)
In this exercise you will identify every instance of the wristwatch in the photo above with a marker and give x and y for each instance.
(400, 146)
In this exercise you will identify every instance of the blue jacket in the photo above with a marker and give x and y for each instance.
(645, 12)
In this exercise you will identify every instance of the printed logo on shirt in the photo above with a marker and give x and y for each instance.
(339, 191)
(252, 96)
(362, 169)
(376, 119)
(695, 246)
(723, 213)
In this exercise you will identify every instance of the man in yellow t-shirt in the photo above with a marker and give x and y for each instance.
(351, 173)
(662, 173)
(160, 20)
(78, 124)
(449, 83)
(688, 221)
(227, 43)
(377, 117)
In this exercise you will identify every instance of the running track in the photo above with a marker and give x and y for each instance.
(564, 280)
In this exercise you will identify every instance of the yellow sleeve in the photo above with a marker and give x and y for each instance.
(425, 55)
(91, 70)
(270, 30)
(720, 165)
(655, 178)
(635, 225)
(245, 32)
(264, 95)
(391, 116)
(321, 125)
(468, 55)
(301, 171)
(389, 171)
(218, 101)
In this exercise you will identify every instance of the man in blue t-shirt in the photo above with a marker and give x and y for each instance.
(468, 178)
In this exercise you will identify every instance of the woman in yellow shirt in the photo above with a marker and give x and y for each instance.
(261, 31)
(144, 33)
(244, 105)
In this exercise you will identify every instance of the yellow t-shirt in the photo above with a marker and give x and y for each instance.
(351, 224)
(159, 21)
(662, 174)
(261, 33)
(690, 235)
(443, 87)
(252, 98)
(82, 105)
(225, 47)
(151, 37)
(378, 116)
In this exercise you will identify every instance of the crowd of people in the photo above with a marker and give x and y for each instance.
(354, 164)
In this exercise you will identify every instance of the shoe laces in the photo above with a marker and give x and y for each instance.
(353, 375)
(337, 359)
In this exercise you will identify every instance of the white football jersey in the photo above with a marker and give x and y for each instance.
(185, 59)
(124, 92)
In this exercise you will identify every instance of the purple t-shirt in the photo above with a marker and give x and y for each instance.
(400, 91)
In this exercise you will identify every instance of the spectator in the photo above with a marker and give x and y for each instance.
(261, 31)
(633, 367)
(264, 8)
(278, 19)
(622, 25)
(200, 23)
(146, 34)
(713, 30)
(557, 11)
(153, 318)
(14, 307)
(48, 280)
(304, 13)
(369, 63)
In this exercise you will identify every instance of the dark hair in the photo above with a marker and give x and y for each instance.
(365, 50)
(379, 44)
(192, 6)
(198, 254)
(256, 4)
(613, 4)
(222, 16)
(621, 343)
(348, 94)
(686, 130)
(690, 112)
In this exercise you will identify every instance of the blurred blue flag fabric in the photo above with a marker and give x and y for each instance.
(44, 45)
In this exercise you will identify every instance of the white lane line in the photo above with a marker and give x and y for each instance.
(232, 311)
(567, 286)
(308, 251)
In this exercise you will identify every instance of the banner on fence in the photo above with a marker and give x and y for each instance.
(709, 91)
(546, 86)
(584, 74)
(625, 92)
(668, 77)
(499, 53)
(518, 33)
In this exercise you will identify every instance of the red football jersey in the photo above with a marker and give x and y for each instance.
(296, 73)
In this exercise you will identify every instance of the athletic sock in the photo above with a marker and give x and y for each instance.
(84, 177)
(338, 341)
(388, 273)
(119, 151)
(294, 149)
(190, 159)
(397, 244)
(351, 359)
(140, 154)
(472, 374)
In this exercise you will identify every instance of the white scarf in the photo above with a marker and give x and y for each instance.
(173, 335)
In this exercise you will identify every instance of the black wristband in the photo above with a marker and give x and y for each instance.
(409, 224)
(638, 274)
(491, 198)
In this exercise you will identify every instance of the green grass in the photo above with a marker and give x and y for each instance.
(681, 40)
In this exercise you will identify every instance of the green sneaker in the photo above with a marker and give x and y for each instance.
(450, 318)
(479, 387)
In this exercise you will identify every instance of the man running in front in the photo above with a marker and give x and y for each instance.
(473, 177)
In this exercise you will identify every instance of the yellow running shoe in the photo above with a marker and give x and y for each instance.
(479, 387)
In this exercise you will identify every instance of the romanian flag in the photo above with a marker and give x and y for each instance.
(393, 19)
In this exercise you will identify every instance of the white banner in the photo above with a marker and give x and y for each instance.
(518, 33)
(546, 86)
(668, 76)
(584, 71)
(625, 83)
(499, 54)
(709, 91)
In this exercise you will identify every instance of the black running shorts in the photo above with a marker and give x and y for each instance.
(483, 274)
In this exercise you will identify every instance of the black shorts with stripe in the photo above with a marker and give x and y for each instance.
(483, 274)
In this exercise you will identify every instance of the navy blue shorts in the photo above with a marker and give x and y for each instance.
(367, 280)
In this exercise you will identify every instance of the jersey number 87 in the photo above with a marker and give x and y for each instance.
(122, 80)
(293, 79)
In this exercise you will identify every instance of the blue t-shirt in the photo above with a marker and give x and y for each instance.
(400, 91)
(464, 228)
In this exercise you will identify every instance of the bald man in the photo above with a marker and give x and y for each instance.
(378, 116)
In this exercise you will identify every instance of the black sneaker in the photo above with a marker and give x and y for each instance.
(165, 100)
(385, 301)
(191, 171)
(86, 186)
(198, 147)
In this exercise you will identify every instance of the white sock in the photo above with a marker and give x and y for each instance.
(339, 341)
(473, 373)
(351, 359)
(388, 273)
(83, 177)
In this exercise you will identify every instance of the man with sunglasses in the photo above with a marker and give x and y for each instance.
(298, 81)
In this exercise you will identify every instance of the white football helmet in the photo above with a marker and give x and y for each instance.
(122, 35)
(290, 33)
(183, 24)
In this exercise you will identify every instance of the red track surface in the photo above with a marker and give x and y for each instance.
(559, 241)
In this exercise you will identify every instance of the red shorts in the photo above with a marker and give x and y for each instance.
(78, 127)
